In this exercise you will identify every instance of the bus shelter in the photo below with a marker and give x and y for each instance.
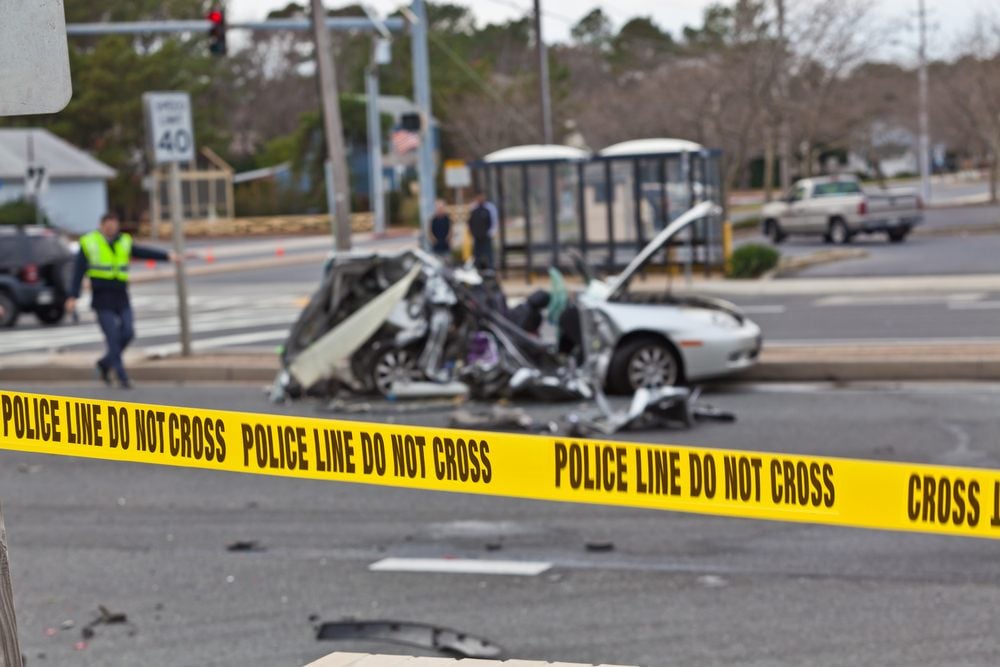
(607, 206)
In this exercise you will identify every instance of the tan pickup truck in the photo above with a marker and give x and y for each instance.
(837, 208)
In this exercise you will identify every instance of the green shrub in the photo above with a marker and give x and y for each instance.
(752, 260)
(20, 212)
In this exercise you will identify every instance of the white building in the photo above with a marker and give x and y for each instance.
(77, 192)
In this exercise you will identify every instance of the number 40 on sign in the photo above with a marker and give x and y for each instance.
(169, 130)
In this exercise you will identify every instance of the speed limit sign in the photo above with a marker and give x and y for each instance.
(169, 131)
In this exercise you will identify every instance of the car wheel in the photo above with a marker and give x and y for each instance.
(8, 310)
(50, 315)
(643, 362)
(838, 232)
(393, 365)
(898, 235)
(774, 232)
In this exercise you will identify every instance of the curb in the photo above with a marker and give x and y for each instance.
(903, 368)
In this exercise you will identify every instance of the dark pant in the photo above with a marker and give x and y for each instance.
(118, 333)
(482, 251)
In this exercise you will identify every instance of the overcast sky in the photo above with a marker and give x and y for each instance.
(948, 19)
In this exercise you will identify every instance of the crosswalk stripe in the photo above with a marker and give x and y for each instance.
(460, 566)
(15, 342)
(268, 336)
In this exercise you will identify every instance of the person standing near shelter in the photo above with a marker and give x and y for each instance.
(104, 257)
(441, 231)
(483, 225)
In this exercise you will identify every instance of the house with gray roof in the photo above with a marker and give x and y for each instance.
(77, 192)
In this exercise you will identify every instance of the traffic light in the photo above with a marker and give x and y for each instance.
(217, 32)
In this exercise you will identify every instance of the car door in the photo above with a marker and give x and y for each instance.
(796, 217)
(816, 208)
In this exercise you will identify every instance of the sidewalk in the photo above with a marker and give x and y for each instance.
(784, 363)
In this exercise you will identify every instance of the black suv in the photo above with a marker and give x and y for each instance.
(35, 268)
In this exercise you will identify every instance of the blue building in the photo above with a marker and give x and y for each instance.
(77, 192)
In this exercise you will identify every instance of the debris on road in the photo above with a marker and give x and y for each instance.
(663, 407)
(445, 641)
(501, 417)
(246, 546)
(106, 617)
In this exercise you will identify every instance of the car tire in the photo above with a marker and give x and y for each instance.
(638, 362)
(391, 364)
(838, 232)
(774, 231)
(50, 315)
(898, 235)
(10, 310)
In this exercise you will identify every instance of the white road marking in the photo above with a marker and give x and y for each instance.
(881, 342)
(975, 305)
(201, 323)
(764, 309)
(461, 566)
(897, 300)
(270, 336)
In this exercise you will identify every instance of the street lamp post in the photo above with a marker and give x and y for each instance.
(924, 140)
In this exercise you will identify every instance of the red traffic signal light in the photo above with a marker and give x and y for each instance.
(217, 32)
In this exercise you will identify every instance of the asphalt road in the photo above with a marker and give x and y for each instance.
(254, 307)
(254, 310)
(675, 590)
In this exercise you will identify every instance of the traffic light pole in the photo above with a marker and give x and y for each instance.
(422, 95)
(204, 25)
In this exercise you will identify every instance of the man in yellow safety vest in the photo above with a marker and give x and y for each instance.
(104, 258)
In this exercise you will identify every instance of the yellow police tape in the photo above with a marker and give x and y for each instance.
(759, 485)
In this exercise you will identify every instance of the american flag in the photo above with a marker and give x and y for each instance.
(405, 141)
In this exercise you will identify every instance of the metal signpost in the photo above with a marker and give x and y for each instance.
(170, 136)
(34, 79)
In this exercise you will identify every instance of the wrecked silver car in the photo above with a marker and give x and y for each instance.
(406, 325)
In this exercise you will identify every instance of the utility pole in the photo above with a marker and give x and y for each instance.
(924, 141)
(543, 77)
(784, 154)
(340, 206)
(10, 650)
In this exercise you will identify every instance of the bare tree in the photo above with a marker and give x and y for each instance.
(826, 40)
(973, 84)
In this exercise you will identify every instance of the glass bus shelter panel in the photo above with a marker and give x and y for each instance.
(626, 206)
(511, 205)
(540, 215)
(567, 205)
(678, 185)
(598, 205)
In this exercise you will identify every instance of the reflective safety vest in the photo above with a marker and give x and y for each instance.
(106, 262)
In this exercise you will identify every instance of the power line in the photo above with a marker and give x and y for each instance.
(528, 10)
(483, 83)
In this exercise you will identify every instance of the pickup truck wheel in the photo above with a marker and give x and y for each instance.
(838, 232)
(774, 231)
(8, 310)
(898, 235)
